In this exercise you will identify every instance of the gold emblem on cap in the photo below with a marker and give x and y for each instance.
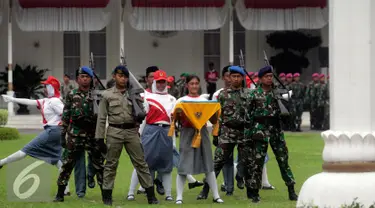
(161, 74)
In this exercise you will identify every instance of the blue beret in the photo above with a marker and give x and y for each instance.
(237, 69)
(86, 70)
(120, 69)
(264, 70)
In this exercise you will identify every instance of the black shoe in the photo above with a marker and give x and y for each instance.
(292, 194)
(91, 182)
(204, 193)
(141, 192)
(253, 194)
(229, 193)
(159, 187)
(151, 195)
(240, 182)
(107, 197)
(223, 188)
(60, 194)
(1, 166)
(195, 184)
(268, 187)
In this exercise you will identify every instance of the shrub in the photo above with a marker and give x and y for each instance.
(3, 117)
(9, 133)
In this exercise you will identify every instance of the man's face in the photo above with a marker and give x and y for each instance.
(289, 79)
(315, 79)
(66, 79)
(322, 79)
(236, 80)
(161, 85)
(296, 79)
(282, 79)
(120, 80)
(150, 79)
(267, 79)
(226, 78)
(84, 80)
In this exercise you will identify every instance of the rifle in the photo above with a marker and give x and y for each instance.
(95, 94)
(279, 92)
(242, 65)
(134, 91)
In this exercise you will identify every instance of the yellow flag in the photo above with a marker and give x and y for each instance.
(198, 113)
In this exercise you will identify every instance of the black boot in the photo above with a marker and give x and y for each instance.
(91, 182)
(107, 197)
(159, 187)
(240, 182)
(60, 194)
(292, 193)
(204, 193)
(150, 192)
(1, 166)
(253, 194)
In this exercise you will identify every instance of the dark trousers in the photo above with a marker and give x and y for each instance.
(80, 173)
(211, 89)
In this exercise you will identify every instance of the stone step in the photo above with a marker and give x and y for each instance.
(25, 122)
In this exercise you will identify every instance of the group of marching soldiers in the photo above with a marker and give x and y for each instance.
(85, 130)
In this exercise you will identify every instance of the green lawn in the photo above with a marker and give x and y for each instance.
(305, 159)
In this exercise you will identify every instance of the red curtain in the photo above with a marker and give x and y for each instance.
(284, 4)
(63, 3)
(178, 3)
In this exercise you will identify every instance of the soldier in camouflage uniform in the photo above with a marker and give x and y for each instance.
(67, 86)
(311, 98)
(298, 95)
(282, 79)
(323, 103)
(79, 122)
(262, 126)
(288, 124)
(173, 90)
(231, 123)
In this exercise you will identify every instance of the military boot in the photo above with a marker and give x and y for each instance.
(150, 192)
(91, 182)
(253, 194)
(204, 193)
(107, 197)
(292, 193)
(299, 128)
(60, 194)
(1, 166)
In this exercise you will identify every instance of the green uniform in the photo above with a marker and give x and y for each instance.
(174, 91)
(323, 105)
(262, 126)
(297, 98)
(311, 98)
(78, 122)
(121, 132)
(66, 88)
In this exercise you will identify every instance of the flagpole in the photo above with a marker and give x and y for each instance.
(231, 36)
(10, 91)
(122, 41)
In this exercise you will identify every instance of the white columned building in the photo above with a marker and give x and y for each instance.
(349, 152)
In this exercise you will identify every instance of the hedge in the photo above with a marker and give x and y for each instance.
(3, 117)
(7, 133)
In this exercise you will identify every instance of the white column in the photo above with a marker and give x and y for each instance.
(350, 144)
(10, 61)
(231, 33)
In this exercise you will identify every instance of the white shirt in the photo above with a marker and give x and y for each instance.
(216, 94)
(51, 110)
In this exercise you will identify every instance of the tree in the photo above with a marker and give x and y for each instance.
(294, 46)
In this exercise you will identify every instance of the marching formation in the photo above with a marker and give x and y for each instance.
(246, 114)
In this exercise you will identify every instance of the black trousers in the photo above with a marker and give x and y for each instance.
(211, 89)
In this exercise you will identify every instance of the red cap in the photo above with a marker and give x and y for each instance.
(315, 75)
(256, 74)
(282, 75)
(160, 75)
(321, 76)
(168, 87)
(250, 74)
(289, 75)
(54, 83)
(170, 79)
(296, 75)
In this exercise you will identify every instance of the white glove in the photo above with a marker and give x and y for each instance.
(286, 96)
(206, 96)
(8, 98)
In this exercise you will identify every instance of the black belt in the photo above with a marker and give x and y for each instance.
(161, 125)
(123, 126)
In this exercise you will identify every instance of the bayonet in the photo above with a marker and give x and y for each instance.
(242, 64)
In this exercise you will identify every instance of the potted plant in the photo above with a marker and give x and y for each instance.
(26, 83)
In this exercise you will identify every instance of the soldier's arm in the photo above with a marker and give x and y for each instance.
(102, 118)
(66, 115)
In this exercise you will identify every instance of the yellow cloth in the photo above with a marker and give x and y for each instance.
(198, 113)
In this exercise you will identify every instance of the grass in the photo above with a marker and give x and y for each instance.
(305, 159)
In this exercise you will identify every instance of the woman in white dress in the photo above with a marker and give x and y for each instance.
(194, 160)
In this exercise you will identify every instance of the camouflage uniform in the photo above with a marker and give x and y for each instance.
(66, 88)
(79, 122)
(311, 98)
(288, 124)
(323, 104)
(263, 126)
(232, 122)
(174, 91)
(298, 95)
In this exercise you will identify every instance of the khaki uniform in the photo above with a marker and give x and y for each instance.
(122, 131)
